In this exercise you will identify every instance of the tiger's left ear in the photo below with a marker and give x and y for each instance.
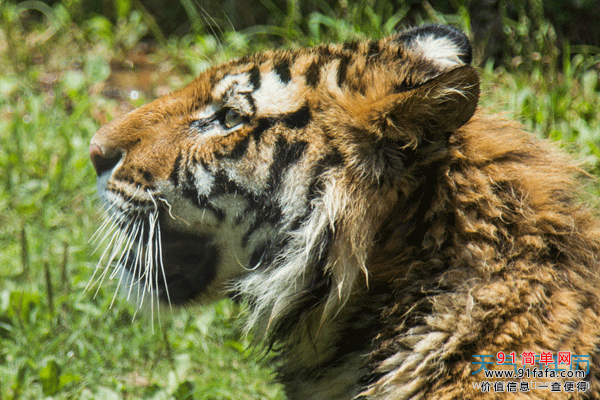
(440, 105)
(441, 92)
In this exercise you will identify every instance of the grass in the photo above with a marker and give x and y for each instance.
(58, 340)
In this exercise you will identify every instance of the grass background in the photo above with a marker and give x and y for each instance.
(67, 67)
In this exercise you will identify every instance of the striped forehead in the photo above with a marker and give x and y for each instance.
(229, 83)
(270, 94)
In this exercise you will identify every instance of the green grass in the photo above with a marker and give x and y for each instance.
(71, 344)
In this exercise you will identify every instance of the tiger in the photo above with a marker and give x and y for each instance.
(387, 237)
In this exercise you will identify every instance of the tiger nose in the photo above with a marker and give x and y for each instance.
(102, 161)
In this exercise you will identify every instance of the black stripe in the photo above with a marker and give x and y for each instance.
(343, 68)
(282, 68)
(259, 255)
(222, 185)
(427, 72)
(406, 85)
(219, 213)
(331, 160)
(250, 100)
(401, 53)
(203, 204)
(174, 176)
(299, 220)
(124, 177)
(313, 73)
(374, 49)
(257, 223)
(284, 155)
(262, 125)
(267, 213)
(136, 203)
(402, 87)
(147, 175)
(189, 191)
(215, 78)
(240, 149)
(255, 77)
(297, 119)
(351, 46)
(324, 50)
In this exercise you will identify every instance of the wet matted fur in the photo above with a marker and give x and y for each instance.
(380, 228)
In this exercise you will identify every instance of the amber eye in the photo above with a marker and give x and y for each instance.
(232, 119)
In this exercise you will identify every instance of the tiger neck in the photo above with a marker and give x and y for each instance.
(335, 360)
(329, 361)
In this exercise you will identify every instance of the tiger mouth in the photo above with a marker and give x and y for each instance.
(182, 267)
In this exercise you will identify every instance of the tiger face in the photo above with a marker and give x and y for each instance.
(258, 178)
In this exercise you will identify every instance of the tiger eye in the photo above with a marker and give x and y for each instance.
(232, 119)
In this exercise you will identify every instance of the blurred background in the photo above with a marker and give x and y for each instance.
(69, 66)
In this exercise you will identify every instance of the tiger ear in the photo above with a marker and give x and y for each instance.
(438, 106)
(424, 89)
(441, 92)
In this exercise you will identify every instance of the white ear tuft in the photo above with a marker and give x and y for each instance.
(444, 46)
(439, 50)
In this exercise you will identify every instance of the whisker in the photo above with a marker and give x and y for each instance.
(134, 264)
(149, 268)
(114, 224)
(107, 221)
(102, 226)
(118, 246)
(126, 240)
(133, 246)
(162, 268)
(90, 284)
(115, 245)
(129, 242)
(156, 274)
(168, 205)
(120, 266)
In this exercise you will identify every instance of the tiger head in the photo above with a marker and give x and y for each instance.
(273, 177)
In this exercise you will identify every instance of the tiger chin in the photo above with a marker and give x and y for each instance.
(380, 228)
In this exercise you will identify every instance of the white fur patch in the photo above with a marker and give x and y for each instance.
(203, 180)
(275, 97)
(293, 196)
(330, 71)
(440, 50)
(206, 112)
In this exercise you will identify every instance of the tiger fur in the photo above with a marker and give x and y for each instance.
(379, 227)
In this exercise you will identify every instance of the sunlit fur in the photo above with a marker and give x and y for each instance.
(380, 229)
